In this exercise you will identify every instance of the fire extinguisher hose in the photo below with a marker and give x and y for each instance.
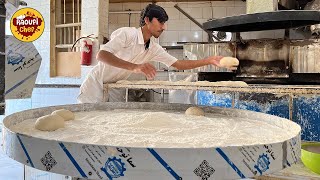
(89, 36)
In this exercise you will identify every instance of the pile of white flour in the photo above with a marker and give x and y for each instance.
(145, 128)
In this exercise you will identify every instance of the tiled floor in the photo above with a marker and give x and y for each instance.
(9, 169)
(41, 97)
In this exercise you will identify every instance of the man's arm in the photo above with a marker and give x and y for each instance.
(191, 64)
(111, 59)
(146, 68)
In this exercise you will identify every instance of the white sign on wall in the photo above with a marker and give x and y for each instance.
(21, 68)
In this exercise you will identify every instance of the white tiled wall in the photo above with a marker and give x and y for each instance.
(179, 27)
(97, 20)
(43, 46)
(94, 20)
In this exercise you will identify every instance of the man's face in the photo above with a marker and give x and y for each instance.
(155, 27)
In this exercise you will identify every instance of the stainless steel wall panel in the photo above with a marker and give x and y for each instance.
(201, 51)
(305, 56)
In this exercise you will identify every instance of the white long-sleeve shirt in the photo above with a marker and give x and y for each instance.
(126, 43)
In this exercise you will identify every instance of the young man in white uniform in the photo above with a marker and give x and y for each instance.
(130, 50)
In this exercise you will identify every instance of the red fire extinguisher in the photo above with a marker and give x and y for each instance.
(86, 51)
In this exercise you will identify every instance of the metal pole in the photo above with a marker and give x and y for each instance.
(290, 106)
(2, 55)
(127, 94)
(162, 95)
(233, 96)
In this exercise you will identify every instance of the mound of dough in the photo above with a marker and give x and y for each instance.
(65, 114)
(124, 82)
(229, 62)
(232, 83)
(196, 111)
(49, 123)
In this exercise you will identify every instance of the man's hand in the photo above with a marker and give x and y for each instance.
(147, 69)
(215, 60)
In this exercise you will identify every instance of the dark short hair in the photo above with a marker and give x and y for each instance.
(153, 11)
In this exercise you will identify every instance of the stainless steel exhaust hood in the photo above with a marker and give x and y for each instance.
(264, 21)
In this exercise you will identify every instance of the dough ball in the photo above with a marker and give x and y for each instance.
(196, 111)
(65, 114)
(49, 122)
(229, 62)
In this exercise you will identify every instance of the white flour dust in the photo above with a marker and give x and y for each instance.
(145, 128)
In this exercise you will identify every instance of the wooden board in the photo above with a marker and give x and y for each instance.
(273, 89)
(53, 62)
(68, 64)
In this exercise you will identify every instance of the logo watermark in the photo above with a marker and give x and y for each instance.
(27, 24)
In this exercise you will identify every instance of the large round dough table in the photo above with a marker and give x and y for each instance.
(154, 141)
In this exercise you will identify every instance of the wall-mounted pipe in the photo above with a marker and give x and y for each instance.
(210, 35)
(129, 12)
(125, 12)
